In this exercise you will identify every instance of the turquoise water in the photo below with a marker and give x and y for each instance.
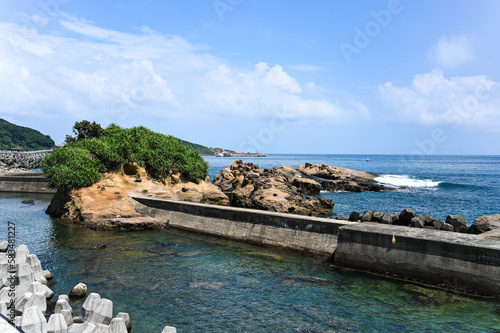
(204, 284)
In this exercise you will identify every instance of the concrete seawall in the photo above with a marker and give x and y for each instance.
(25, 184)
(460, 261)
(300, 233)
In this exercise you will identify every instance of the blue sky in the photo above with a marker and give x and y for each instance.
(367, 77)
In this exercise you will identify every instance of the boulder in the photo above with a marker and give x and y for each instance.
(377, 216)
(367, 216)
(437, 224)
(447, 227)
(4, 246)
(457, 221)
(78, 291)
(405, 216)
(417, 222)
(387, 218)
(485, 223)
(355, 216)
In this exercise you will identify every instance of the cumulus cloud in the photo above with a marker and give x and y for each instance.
(76, 69)
(453, 51)
(433, 99)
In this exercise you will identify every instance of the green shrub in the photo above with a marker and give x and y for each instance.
(77, 164)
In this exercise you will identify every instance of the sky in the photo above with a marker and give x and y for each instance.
(322, 77)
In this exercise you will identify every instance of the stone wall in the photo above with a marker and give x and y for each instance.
(300, 233)
(454, 260)
(25, 184)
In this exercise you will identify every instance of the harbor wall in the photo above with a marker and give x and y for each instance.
(299, 233)
(25, 184)
(461, 261)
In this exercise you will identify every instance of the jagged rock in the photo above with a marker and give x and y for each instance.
(367, 216)
(457, 221)
(377, 216)
(355, 216)
(306, 186)
(417, 222)
(405, 216)
(485, 223)
(248, 186)
(447, 227)
(387, 218)
(78, 291)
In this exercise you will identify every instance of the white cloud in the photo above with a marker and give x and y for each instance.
(432, 99)
(79, 70)
(453, 51)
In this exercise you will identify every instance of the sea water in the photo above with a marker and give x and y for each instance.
(204, 284)
(430, 185)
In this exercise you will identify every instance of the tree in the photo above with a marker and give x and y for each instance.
(85, 130)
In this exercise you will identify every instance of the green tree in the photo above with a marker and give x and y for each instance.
(85, 130)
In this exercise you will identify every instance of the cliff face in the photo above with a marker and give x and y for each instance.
(108, 205)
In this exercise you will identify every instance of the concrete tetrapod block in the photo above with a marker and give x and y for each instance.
(89, 304)
(22, 301)
(22, 253)
(102, 312)
(169, 329)
(117, 325)
(3, 309)
(101, 328)
(68, 316)
(3, 246)
(37, 299)
(62, 304)
(36, 266)
(57, 324)
(25, 274)
(33, 321)
(4, 295)
(4, 264)
(37, 286)
(126, 317)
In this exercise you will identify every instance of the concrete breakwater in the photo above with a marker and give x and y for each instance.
(23, 160)
(26, 183)
(295, 232)
(25, 300)
(460, 261)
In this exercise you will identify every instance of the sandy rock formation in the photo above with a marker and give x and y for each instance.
(107, 205)
(248, 186)
(333, 178)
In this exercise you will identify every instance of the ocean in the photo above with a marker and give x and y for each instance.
(200, 283)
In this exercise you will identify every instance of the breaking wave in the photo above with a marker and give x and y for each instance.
(406, 181)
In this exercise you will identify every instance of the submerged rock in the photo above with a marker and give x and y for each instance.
(308, 278)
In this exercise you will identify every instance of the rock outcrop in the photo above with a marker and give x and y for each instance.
(107, 205)
(485, 223)
(334, 179)
(280, 189)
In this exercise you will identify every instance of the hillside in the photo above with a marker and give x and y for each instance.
(14, 136)
(199, 148)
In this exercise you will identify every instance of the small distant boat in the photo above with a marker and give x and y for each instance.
(367, 159)
(219, 154)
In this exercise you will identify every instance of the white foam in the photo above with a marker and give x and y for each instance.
(399, 181)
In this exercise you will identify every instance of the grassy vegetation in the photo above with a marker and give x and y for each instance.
(14, 136)
(80, 163)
